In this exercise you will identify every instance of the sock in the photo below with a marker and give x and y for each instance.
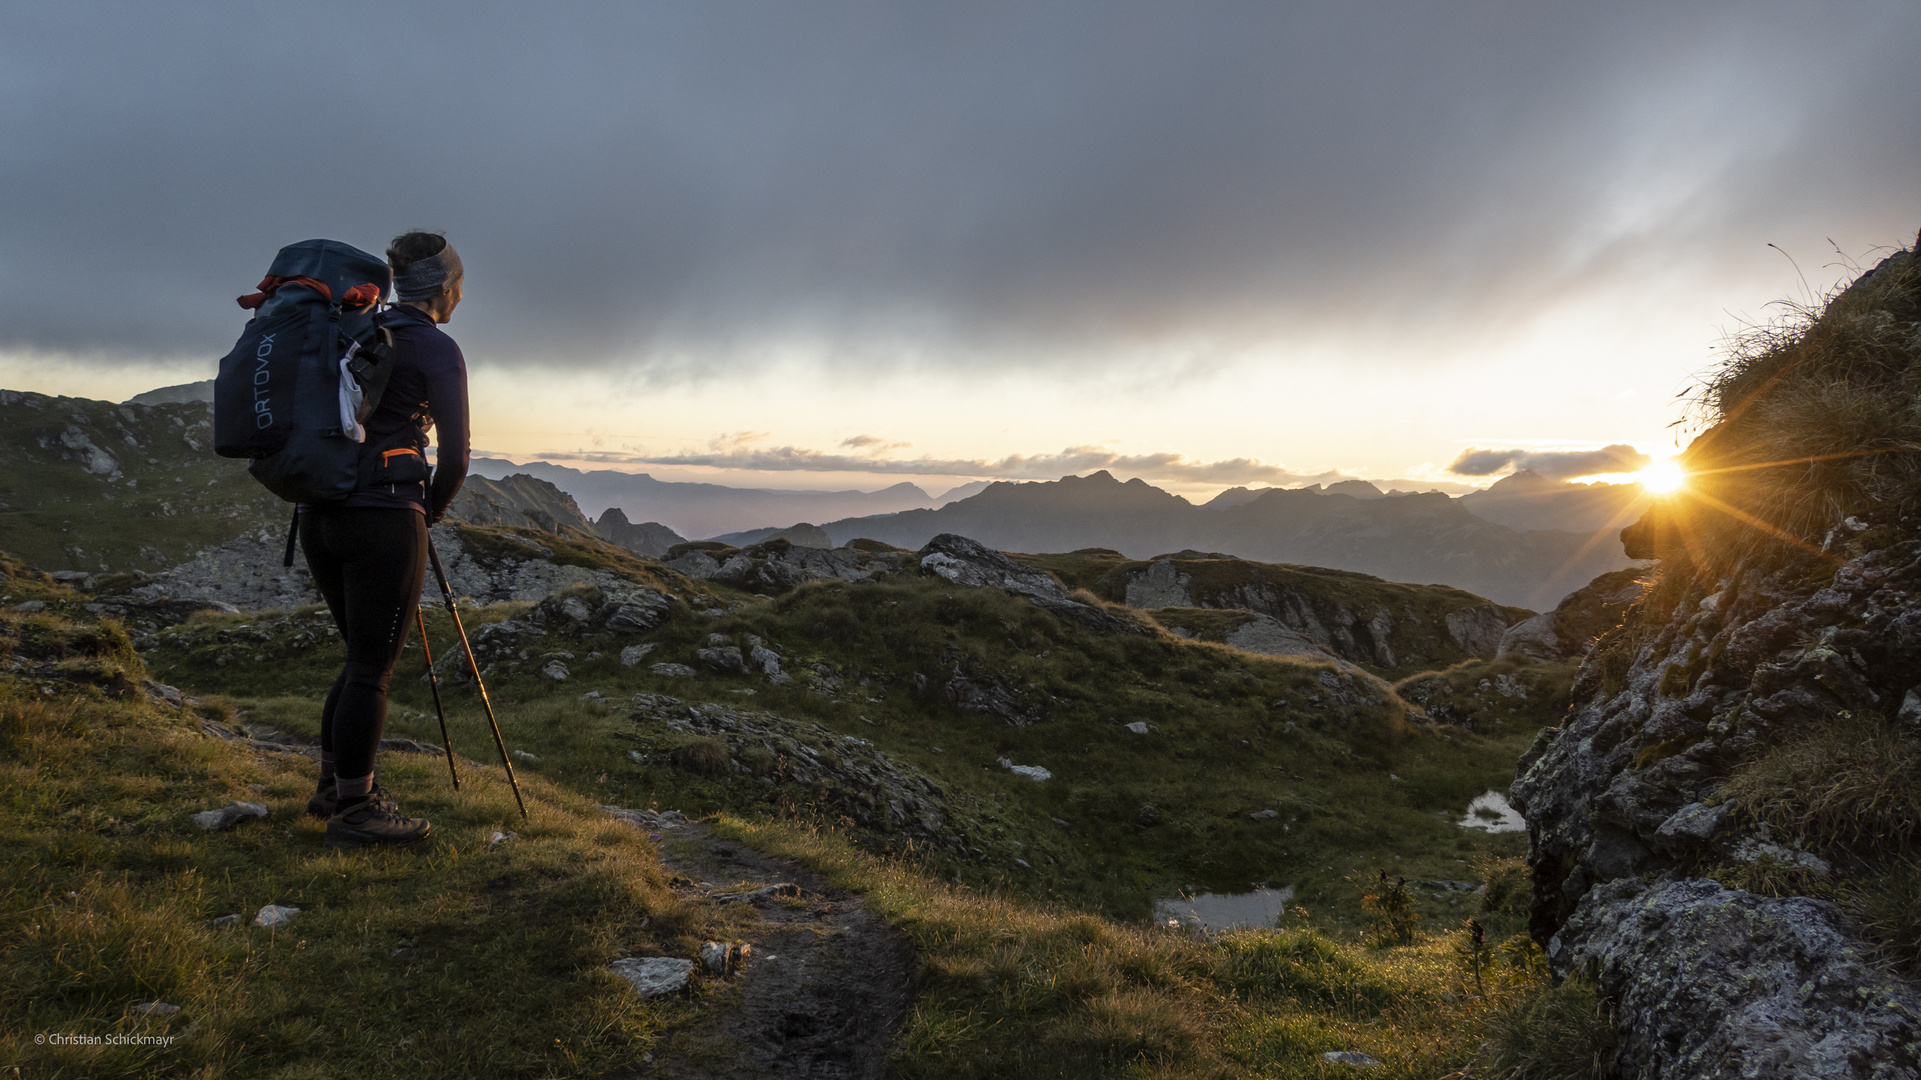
(353, 791)
(326, 767)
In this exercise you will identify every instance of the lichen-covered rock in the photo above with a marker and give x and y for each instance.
(1265, 635)
(1161, 585)
(779, 564)
(1478, 630)
(1667, 708)
(1531, 639)
(653, 976)
(984, 693)
(1722, 983)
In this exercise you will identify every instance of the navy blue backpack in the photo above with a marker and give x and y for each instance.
(307, 372)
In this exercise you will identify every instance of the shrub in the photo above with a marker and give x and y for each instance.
(760, 760)
(1509, 885)
(1390, 912)
(1302, 964)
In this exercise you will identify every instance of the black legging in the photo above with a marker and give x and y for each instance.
(369, 565)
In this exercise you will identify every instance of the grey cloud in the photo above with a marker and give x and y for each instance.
(1553, 464)
(689, 188)
(1074, 459)
(874, 444)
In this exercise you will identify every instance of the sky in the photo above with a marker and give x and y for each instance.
(833, 245)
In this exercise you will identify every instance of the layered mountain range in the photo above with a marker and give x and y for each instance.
(1419, 538)
(95, 486)
(704, 510)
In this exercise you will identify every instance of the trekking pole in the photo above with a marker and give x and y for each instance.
(447, 592)
(433, 680)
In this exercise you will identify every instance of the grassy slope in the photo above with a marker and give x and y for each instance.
(1023, 972)
(458, 958)
(1353, 790)
(172, 496)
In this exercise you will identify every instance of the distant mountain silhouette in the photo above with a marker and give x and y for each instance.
(1428, 538)
(647, 538)
(179, 394)
(1527, 500)
(702, 510)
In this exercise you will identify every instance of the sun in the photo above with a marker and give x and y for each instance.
(1662, 478)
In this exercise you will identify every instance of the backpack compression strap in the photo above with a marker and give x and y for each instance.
(357, 296)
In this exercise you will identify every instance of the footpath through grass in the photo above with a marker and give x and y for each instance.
(1014, 989)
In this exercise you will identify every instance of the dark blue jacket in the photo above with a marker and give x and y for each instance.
(430, 382)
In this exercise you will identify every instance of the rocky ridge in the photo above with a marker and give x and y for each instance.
(1633, 832)
(1311, 613)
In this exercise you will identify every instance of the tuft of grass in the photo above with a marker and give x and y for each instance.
(1557, 1033)
(1810, 420)
(1843, 789)
(706, 756)
(1889, 906)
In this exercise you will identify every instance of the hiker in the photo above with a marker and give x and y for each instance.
(368, 550)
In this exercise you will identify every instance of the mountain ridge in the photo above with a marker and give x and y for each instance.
(1427, 537)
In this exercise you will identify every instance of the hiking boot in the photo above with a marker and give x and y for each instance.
(376, 821)
(326, 799)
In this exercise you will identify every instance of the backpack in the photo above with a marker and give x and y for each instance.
(308, 370)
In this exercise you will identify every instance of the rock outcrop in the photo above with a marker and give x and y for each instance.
(1573, 627)
(1633, 789)
(849, 775)
(1720, 982)
(972, 564)
(777, 564)
(648, 538)
(519, 501)
(1724, 829)
(1304, 611)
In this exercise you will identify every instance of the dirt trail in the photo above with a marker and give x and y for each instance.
(821, 991)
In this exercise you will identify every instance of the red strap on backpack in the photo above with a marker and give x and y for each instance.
(358, 296)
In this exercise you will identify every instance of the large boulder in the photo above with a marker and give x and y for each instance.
(1726, 983)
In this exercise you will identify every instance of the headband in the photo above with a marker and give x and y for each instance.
(424, 279)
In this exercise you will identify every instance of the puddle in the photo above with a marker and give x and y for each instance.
(1491, 813)
(1225, 911)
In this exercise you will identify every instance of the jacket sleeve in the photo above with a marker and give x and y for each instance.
(447, 401)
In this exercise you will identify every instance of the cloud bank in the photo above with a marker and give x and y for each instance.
(688, 191)
(728, 452)
(1553, 464)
